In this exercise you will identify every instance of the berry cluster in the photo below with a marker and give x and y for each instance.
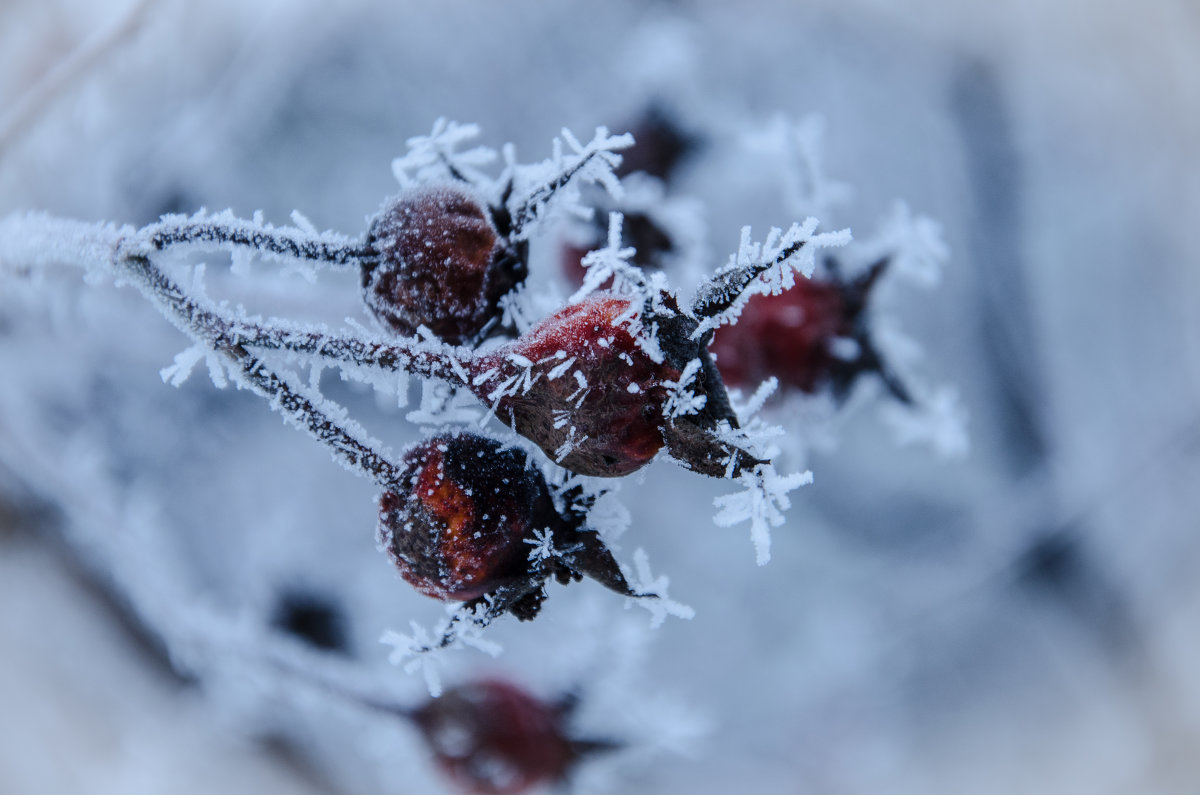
(619, 375)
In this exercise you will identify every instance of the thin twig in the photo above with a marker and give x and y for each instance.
(723, 288)
(335, 251)
(357, 453)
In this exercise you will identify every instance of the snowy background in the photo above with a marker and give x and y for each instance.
(1025, 618)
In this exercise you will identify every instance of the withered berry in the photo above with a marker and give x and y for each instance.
(437, 261)
(811, 337)
(466, 516)
(457, 531)
(493, 738)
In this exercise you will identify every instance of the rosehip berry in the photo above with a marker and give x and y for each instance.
(601, 413)
(493, 738)
(440, 263)
(596, 406)
(811, 337)
(457, 531)
(464, 525)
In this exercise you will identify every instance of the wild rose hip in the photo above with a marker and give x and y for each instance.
(494, 738)
(601, 411)
(457, 532)
(592, 394)
(438, 262)
(811, 337)
(466, 518)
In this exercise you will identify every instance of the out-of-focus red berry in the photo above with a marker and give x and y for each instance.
(493, 738)
(790, 336)
(456, 531)
(440, 264)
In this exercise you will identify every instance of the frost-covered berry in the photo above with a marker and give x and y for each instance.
(475, 518)
(457, 530)
(812, 337)
(438, 262)
(493, 738)
(592, 385)
(597, 407)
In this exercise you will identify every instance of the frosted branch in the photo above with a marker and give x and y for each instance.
(226, 232)
(760, 268)
(593, 162)
(348, 442)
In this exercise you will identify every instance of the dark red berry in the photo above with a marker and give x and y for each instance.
(493, 738)
(660, 145)
(468, 514)
(457, 530)
(789, 336)
(601, 413)
(811, 337)
(589, 388)
(439, 262)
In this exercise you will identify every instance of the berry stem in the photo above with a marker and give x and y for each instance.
(529, 208)
(723, 288)
(208, 327)
(418, 357)
(226, 232)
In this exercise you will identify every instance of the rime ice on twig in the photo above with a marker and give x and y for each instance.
(612, 263)
(324, 420)
(37, 240)
(721, 298)
(533, 186)
(681, 400)
(436, 156)
(226, 232)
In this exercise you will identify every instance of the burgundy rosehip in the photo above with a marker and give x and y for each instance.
(811, 337)
(493, 738)
(457, 529)
(601, 412)
(788, 336)
(438, 262)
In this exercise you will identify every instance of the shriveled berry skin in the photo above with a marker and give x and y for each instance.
(602, 413)
(456, 531)
(493, 738)
(789, 336)
(439, 263)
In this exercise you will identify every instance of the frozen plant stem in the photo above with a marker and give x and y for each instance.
(728, 285)
(229, 233)
(210, 329)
